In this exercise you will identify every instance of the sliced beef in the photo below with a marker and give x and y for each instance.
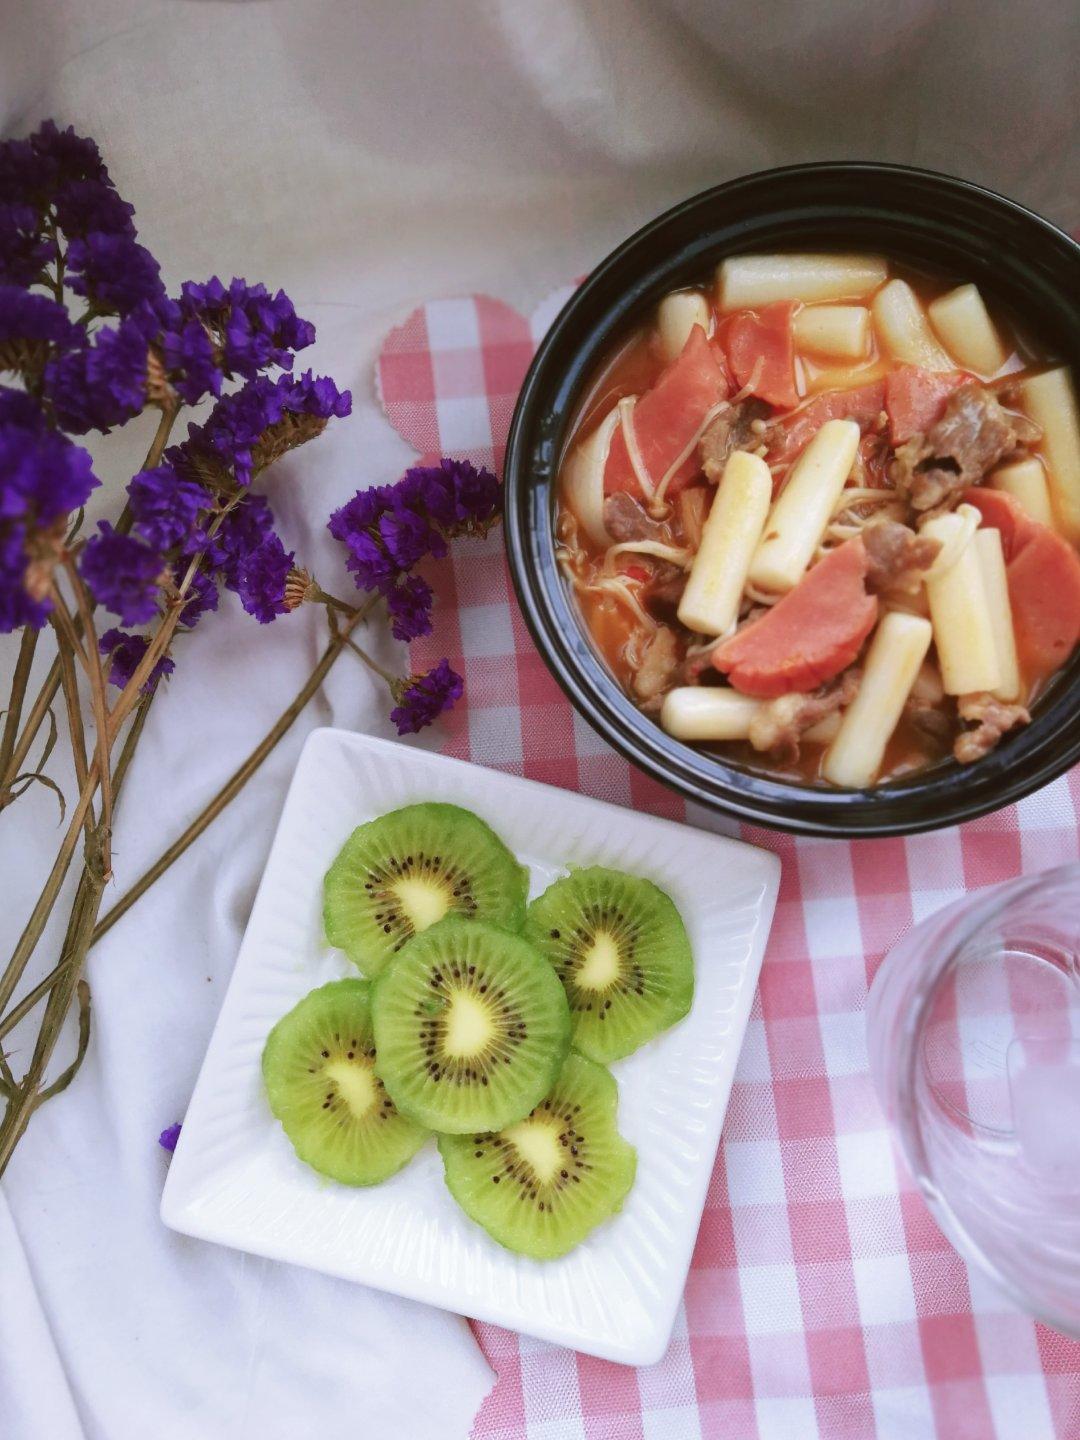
(929, 718)
(691, 510)
(667, 584)
(778, 727)
(626, 519)
(896, 556)
(973, 434)
(733, 430)
(991, 719)
(659, 664)
(791, 434)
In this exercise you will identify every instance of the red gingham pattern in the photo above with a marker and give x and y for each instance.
(822, 1299)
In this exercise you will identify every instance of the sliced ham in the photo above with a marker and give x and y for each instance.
(863, 404)
(667, 418)
(1043, 572)
(761, 350)
(811, 635)
(915, 399)
(1044, 592)
(1004, 513)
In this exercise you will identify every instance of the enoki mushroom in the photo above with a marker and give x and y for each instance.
(671, 553)
(618, 588)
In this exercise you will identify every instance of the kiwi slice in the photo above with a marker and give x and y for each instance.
(540, 1186)
(471, 1025)
(397, 875)
(620, 948)
(319, 1069)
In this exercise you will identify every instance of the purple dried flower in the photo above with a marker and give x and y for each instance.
(113, 272)
(32, 317)
(241, 531)
(251, 428)
(62, 156)
(408, 536)
(102, 383)
(29, 324)
(236, 424)
(17, 606)
(43, 476)
(168, 1138)
(356, 525)
(409, 607)
(124, 652)
(361, 514)
(202, 596)
(187, 353)
(183, 354)
(85, 206)
(477, 492)
(422, 698)
(24, 251)
(458, 497)
(315, 395)
(260, 579)
(166, 506)
(252, 328)
(20, 170)
(21, 410)
(389, 530)
(122, 573)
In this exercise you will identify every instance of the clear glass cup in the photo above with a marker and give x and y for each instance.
(974, 1041)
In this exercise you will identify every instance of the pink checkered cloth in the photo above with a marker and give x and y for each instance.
(822, 1299)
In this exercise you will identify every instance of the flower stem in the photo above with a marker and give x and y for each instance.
(18, 693)
(387, 675)
(101, 720)
(237, 781)
(322, 598)
(47, 899)
(76, 942)
(11, 764)
(60, 984)
(77, 735)
(34, 722)
(64, 625)
(169, 411)
(30, 999)
(159, 641)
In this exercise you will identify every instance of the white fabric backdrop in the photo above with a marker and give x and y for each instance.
(366, 156)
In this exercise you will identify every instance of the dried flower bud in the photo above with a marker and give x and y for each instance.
(158, 390)
(285, 435)
(299, 587)
(45, 549)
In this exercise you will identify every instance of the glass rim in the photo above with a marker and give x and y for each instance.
(901, 1077)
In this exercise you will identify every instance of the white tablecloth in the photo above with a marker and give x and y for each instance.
(367, 156)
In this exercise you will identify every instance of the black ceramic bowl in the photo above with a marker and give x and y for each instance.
(1025, 263)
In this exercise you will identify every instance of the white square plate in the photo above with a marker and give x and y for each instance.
(234, 1178)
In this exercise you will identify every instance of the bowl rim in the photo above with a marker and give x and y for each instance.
(946, 793)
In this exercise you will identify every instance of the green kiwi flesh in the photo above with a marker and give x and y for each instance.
(319, 1069)
(540, 1186)
(399, 874)
(620, 948)
(471, 1026)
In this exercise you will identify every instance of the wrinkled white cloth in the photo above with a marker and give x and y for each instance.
(366, 156)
